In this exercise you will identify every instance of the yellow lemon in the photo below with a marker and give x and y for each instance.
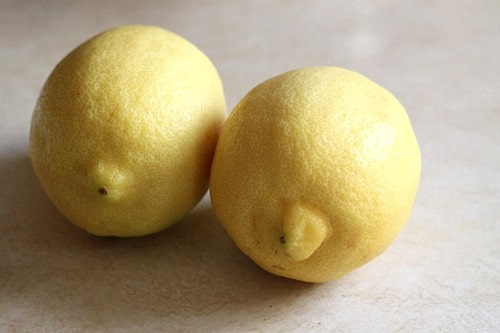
(315, 172)
(124, 130)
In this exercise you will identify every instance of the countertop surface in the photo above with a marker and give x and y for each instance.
(440, 58)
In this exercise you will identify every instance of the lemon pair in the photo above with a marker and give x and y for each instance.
(313, 173)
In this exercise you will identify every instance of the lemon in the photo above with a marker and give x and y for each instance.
(315, 173)
(124, 130)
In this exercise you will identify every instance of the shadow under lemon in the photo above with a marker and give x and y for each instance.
(55, 270)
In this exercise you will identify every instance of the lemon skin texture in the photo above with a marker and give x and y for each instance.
(315, 173)
(123, 133)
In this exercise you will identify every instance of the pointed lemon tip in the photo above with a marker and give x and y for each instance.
(108, 181)
(304, 230)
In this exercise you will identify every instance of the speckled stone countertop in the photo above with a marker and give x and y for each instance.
(440, 58)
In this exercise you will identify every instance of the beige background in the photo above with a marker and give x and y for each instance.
(441, 58)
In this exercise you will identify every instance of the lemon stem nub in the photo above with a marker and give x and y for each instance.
(103, 190)
(304, 230)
